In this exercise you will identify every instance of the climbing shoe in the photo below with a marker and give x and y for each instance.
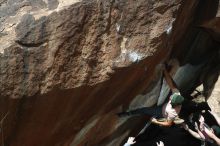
(178, 121)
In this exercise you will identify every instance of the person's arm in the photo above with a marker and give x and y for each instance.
(201, 135)
(212, 136)
(193, 133)
(198, 131)
(216, 139)
(170, 81)
(217, 118)
(165, 123)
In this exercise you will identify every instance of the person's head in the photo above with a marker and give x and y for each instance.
(216, 130)
(176, 100)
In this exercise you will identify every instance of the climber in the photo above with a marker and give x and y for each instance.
(131, 141)
(192, 132)
(169, 111)
(199, 132)
(212, 134)
(215, 131)
(204, 132)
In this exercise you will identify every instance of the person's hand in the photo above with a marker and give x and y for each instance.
(131, 140)
(191, 118)
(160, 143)
(196, 127)
(201, 119)
(162, 66)
(209, 132)
(201, 126)
(168, 66)
(185, 126)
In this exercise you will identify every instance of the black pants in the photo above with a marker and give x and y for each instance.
(189, 107)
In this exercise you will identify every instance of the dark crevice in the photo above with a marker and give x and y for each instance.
(29, 45)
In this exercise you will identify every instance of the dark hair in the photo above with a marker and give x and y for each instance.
(196, 117)
(175, 105)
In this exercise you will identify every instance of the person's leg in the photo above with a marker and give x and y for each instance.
(189, 107)
(150, 111)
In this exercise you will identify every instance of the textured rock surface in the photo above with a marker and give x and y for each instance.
(66, 67)
(79, 45)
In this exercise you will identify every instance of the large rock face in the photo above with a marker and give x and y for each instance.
(67, 66)
(80, 44)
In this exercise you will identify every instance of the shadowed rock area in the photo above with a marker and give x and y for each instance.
(67, 66)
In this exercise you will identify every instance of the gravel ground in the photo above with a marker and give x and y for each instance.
(214, 100)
